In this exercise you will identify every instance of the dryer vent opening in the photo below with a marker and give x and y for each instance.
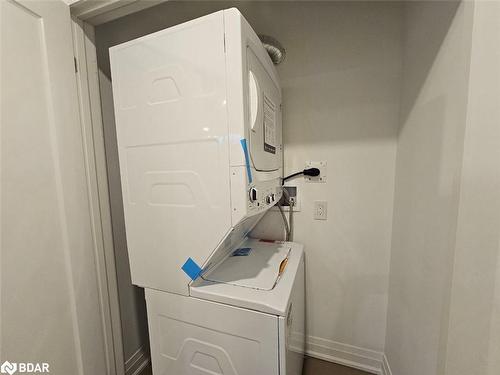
(274, 48)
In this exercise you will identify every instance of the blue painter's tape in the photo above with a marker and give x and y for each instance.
(191, 269)
(243, 142)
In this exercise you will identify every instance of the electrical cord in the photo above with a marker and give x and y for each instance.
(291, 203)
(313, 172)
(287, 228)
(288, 223)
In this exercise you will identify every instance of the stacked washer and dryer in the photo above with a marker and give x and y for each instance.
(199, 129)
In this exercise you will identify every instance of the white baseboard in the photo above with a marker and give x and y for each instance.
(347, 355)
(386, 369)
(327, 350)
(137, 362)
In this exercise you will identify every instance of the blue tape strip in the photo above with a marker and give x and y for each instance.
(243, 142)
(191, 269)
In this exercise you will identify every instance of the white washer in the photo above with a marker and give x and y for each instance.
(199, 134)
(248, 321)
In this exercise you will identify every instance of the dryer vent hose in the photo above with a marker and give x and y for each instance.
(274, 48)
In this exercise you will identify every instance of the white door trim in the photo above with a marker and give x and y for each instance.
(101, 11)
(97, 181)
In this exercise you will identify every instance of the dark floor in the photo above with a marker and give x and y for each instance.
(312, 366)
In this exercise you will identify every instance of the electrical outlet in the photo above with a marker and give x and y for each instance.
(320, 210)
(321, 165)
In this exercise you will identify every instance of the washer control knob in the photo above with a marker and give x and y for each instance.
(253, 194)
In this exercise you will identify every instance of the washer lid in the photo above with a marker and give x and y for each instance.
(243, 289)
(256, 265)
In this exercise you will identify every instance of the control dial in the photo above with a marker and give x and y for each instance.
(253, 194)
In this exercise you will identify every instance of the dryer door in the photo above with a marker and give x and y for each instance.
(265, 116)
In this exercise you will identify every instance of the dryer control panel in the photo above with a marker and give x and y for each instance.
(263, 195)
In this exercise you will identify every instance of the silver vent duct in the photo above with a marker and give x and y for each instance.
(274, 48)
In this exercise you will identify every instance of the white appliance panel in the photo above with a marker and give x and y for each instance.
(241, 38)
(192, 336)
(169, 91)
(264, 103)
(292, 329)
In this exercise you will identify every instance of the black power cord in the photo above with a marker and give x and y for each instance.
(312, 172)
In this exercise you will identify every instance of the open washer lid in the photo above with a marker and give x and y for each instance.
(256, 265)
(261, 280)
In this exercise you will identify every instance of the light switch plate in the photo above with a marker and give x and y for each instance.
(321, 165)
(320, 210)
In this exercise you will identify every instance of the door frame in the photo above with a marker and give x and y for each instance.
(85, 15)
(93, 145)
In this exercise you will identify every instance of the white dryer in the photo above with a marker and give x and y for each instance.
(199, 134)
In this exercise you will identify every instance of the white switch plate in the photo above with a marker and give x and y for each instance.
(320, 210)
(321, 165)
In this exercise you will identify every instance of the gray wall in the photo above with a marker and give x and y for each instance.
(473, 345)
(444, 305)
(436, 55)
